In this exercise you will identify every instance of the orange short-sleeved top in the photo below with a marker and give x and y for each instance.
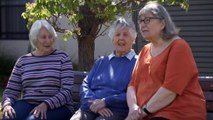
(174, 69)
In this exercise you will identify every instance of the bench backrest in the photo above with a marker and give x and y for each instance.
(78, 78)
(205, 82)
(207, 87)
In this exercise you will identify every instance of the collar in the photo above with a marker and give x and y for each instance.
(129, 55)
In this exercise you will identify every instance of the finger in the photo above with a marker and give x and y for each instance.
(102, 114)
(45, 115)
(6, 115)
(10, 113)
(107, 112)
(14, 113)
(42, 115)
(35, 113)
(32, 111)
(95, 108)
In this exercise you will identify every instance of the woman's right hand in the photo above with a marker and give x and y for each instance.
(9, 112)
(134, 114)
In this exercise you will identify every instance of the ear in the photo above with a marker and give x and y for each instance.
(163, 24)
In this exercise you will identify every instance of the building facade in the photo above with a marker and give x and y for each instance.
(196, 26)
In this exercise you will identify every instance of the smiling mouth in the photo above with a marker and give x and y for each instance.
(144, 31)
(121, 44)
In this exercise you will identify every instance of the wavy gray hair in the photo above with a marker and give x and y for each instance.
(36, 27)
(159, 11)
(122, 23)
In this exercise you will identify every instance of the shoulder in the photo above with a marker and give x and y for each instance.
(146, 47)
(61, 53)
(180, 44)
(24, 58)
(102, 58)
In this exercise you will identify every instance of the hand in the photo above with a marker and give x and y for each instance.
(97, 105)
(134, 114)
(9, 112)
(40, 110)
(105, 112)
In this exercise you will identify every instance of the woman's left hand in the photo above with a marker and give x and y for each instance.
(40, 110)
(97, 105)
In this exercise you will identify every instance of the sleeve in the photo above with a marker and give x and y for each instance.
(14, 86)
(181, 67)
(67, 80)
(85, 90)
(116, 100)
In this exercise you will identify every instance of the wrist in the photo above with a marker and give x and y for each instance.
(147, 112)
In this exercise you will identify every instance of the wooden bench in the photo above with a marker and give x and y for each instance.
(78, 78)
(205, 82)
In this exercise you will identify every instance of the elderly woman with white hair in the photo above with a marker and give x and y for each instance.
(40, 84)
(103, 91)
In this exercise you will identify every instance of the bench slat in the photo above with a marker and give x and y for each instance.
(79, 76)
(206, 84)
(209, 116)
(208, 95)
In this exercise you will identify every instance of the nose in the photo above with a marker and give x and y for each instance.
(142, 24)
(49, 38)
(121, 37)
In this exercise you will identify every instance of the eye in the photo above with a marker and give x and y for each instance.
(147, 20)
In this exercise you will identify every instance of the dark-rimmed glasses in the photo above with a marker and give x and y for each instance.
(146, 20)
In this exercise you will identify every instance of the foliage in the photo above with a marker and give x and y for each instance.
(6, 66)
(86, 18)
(1, 92)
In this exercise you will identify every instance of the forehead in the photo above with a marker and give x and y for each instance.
(122, 29)
(43, 30)
(149, 9)
(146, 15)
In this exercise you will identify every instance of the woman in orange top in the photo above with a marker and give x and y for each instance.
(164, 83)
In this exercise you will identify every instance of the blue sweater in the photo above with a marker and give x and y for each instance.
(109, 79)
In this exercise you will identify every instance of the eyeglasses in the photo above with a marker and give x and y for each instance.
(146, 20)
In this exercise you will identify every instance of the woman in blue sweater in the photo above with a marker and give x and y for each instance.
(103, 91)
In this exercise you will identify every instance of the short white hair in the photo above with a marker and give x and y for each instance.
(122, 23)
(36, 27)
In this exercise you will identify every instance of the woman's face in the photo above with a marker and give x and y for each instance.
(151, 27)
(45, 40)
(122, 41)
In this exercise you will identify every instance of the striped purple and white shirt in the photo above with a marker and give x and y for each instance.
(40, 79)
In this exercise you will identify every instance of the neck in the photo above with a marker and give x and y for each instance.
(42, 52)
(120, 54)
(158, 42)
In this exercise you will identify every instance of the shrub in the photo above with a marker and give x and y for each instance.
(6, 67)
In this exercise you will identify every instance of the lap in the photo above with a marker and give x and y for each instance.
(89, 115)
(61, 113)
(158, 118)
(23, 109)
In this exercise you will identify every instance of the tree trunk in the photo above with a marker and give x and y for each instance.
(86, 41)
(86, 48)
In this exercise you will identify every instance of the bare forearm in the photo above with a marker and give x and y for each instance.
(131, 99)
(160, 99)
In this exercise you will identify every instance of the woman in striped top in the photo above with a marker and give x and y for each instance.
(40, 83)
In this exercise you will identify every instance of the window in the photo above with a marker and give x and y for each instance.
(12, 25)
